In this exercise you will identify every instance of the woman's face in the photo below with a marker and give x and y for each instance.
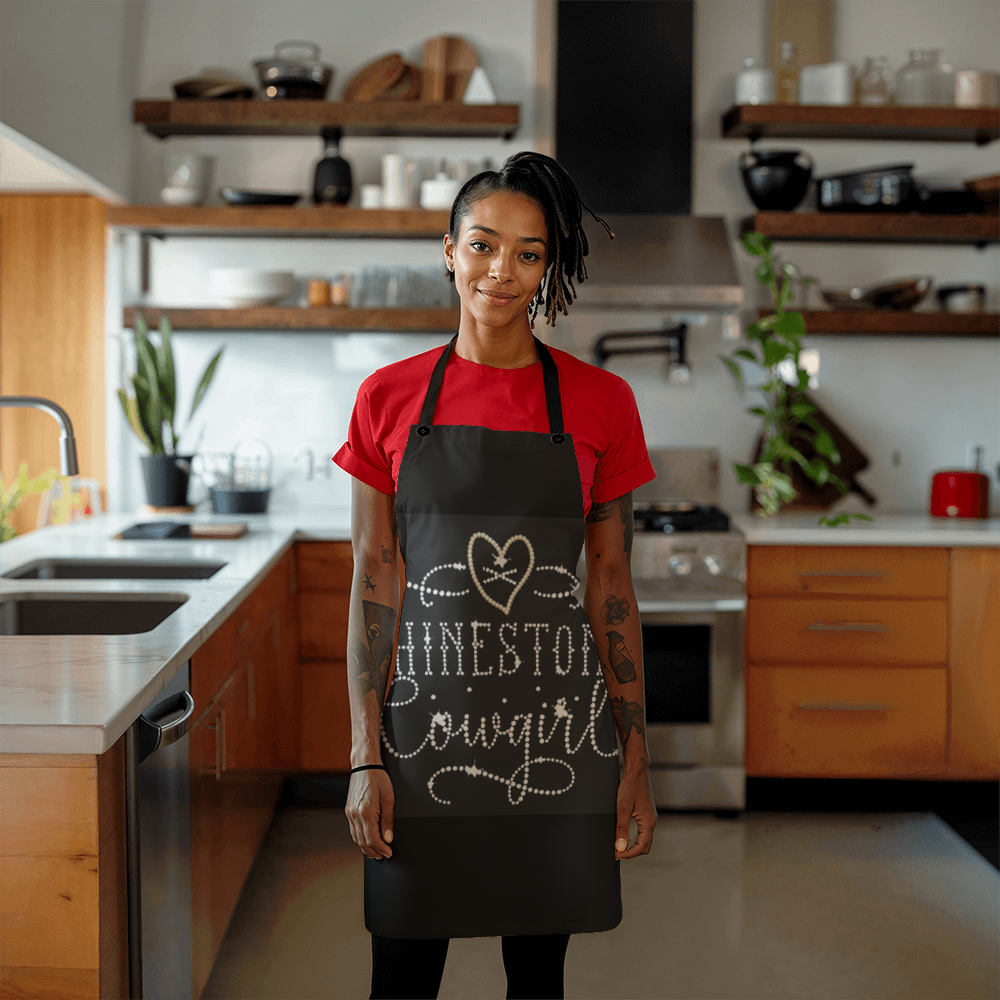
(500, 256)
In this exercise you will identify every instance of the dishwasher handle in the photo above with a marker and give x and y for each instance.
(152, 736)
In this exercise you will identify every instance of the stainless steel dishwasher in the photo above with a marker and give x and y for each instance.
(158, 845)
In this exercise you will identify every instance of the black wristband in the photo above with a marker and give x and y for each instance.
(365, 767)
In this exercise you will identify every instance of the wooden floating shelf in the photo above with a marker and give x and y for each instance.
(854, 121)
(877, 227)
(164, 118)
(897, 322)
(269, 220)
(299, 318)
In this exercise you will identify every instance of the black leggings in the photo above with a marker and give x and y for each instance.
(412, 967)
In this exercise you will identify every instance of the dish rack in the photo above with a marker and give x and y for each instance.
(238, 483)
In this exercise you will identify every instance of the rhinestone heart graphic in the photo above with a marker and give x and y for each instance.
(501, 560)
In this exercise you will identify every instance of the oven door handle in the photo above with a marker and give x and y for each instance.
(846, 627)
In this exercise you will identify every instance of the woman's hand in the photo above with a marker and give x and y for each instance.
(370, 802)
(635, 801)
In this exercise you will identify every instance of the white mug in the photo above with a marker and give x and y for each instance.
(398, 181)
(371, 195)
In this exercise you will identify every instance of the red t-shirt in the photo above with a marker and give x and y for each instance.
(599, 410)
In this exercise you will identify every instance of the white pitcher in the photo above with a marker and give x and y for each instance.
(399, 181)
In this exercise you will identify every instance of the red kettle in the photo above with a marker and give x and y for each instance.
(960, 492)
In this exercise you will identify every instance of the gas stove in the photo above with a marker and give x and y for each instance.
(680, 515)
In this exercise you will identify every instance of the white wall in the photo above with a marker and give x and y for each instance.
(923, 398)
(67, 79)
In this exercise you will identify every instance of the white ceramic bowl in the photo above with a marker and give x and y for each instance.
(250, 286)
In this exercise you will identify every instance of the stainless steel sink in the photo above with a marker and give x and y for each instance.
(114, 569)
(83, 614)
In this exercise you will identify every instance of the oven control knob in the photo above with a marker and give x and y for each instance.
(680, 565)
(712, 565)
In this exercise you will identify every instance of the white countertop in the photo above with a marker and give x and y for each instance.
(886, 529)
(79, 693)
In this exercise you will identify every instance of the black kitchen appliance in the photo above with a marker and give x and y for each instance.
(332, 180)
(877, 189)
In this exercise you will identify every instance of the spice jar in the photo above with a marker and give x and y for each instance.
(340, 289)
(319, 292)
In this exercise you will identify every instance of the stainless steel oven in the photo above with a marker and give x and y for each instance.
(689, 576)
(692, 650)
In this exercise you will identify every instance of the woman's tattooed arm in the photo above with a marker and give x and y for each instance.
(374, 608)
(609, 601)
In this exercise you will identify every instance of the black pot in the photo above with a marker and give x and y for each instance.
(166, 478)
(776, 179)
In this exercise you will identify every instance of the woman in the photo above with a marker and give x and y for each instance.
(486, 792)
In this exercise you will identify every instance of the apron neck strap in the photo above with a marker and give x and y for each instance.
(550, 376)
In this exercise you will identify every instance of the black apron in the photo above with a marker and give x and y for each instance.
(497, 732)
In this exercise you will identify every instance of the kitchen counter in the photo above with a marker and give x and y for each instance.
(80, 693)
(887, 529)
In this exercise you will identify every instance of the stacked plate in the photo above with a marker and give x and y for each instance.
(250, 286)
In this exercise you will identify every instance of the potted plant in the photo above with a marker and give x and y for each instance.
(780, 338)
(150, 413)
(12, 495)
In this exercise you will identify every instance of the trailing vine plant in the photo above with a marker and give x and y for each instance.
(780, 339)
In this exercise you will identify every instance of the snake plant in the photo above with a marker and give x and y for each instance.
(151, 410)
(780, 338)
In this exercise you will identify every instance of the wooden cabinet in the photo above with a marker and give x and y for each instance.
(245, 735)
(323, 575)
(872, 662)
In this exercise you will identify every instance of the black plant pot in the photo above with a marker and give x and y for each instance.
(166, 478)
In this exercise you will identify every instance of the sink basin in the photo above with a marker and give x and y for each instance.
(114, 569)
(81, 614)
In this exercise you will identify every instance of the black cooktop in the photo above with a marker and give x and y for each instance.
(680, 516)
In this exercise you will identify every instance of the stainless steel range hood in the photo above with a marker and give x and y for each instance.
(657, 261)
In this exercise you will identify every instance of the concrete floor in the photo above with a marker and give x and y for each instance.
(769, 904)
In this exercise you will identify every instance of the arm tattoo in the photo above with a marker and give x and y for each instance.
(604, 511)
(601, 511)
(620, 659)
(393, 527)
(625, 512)
(628, 716)
(615, 611)
(368, 581)
(374, 658)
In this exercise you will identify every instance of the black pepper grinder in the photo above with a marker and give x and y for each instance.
(332, 182)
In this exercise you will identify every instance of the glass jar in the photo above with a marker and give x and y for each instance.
(788, 75)
(754, 83)
(925, 79)
(875, 82)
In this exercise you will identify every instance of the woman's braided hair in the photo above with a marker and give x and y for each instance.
(543, 179)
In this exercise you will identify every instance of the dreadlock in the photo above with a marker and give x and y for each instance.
(543, 179)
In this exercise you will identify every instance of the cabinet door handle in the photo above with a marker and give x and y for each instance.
(836, 706)
(251, 697)
(842, 572)
(846, 627)
(217, 727)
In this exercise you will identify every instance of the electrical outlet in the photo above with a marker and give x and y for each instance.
(970, 455)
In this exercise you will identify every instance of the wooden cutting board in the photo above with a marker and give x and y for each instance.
(407, 88)
(372, 80)
(448, 65)
(812, 496)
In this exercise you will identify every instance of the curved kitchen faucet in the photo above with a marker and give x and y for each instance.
(67, 443)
